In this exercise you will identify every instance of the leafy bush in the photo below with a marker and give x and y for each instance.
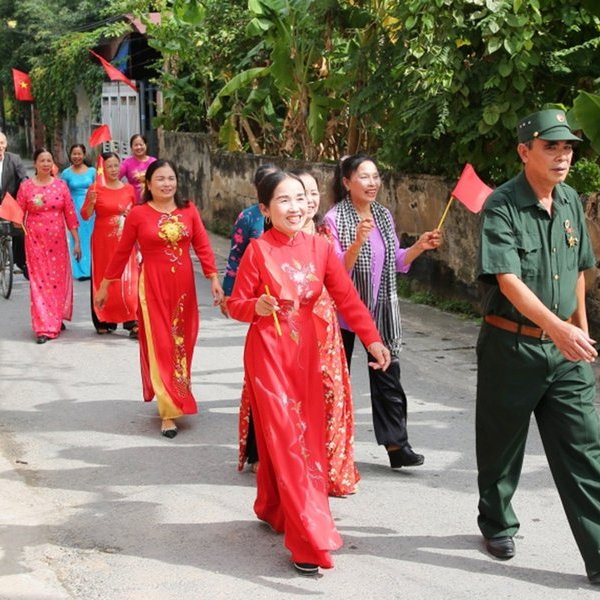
(584, 176)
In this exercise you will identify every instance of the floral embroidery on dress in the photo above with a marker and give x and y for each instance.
(301, 276)
(38, 200)
(181, 372)
(172, 229)
(117, 222)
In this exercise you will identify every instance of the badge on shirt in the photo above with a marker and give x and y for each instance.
(571, 239)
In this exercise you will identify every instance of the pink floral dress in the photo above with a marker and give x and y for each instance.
(49, 212)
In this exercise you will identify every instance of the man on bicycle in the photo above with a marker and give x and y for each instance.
(12, 173)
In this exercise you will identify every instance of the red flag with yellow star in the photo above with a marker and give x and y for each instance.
(22, 86)
(100, 179)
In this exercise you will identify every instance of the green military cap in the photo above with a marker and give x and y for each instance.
(548, 125)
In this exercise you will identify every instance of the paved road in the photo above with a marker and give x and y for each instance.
(94, 504)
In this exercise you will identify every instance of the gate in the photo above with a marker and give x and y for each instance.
(120, 110)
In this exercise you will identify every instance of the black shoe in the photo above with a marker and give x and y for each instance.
(594, 578)
(501, 547)
(306, 568)
(62, 326)
(405, 457)
(169, 433)
(41, 339)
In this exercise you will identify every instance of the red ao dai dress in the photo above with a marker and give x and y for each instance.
(112, 205)
(168, 311)
(48, 209)
(342, 474)
(284, 383)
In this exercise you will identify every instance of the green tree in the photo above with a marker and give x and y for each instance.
(466, 70)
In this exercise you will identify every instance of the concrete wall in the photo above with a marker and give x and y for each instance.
(221, 185)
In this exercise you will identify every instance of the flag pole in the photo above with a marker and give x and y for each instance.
(448, 205)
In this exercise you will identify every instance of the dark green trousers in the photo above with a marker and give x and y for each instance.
(518, 376)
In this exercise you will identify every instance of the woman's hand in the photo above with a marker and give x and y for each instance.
(101, 294)
(217, 290)
(381, 354)
(364, 229)
(223, 307)
(265, 305)
(430, 240)
(77, 251)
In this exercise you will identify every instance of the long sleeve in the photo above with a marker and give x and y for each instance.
(123, 252)
(201, 244)
(247, 289)
(84, 208)
(242, 233)
(348, 302)
(20, 172)
(22, 198)
(68, 207)
(329, 221)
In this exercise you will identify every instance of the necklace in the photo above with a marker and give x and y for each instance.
(163, 208)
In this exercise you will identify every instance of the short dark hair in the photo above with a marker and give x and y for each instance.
(135, 136)
(39, 151)
(110, 154)
(344, 170)
(304, 171)
(267, 185)
(81, 146)
(157, 164)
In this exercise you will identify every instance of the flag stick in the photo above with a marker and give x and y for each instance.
(445, 213)
(275, 317)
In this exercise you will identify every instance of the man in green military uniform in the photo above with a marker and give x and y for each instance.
(534, 351)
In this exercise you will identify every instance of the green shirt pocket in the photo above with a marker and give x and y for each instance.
(529, 248)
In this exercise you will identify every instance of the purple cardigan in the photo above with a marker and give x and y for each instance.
(377, 254)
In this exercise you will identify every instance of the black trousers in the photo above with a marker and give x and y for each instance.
(388, 400)
(18, 248)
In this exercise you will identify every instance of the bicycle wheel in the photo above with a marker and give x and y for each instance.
(6, 266)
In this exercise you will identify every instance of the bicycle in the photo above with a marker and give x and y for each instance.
(6, 260)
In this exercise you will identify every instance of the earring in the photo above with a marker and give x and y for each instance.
(267, 220)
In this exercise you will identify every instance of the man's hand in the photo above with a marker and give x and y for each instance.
(573, 343)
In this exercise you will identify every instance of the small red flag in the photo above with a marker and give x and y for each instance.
(10, 210)
(100, 178)
(113, 73)
(100, 135)
(22, 86)
(470, 190)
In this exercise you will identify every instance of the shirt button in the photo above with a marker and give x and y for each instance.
(556, 307)
(556, 276)
(553, 249)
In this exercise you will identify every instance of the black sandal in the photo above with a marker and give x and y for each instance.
(133, 332)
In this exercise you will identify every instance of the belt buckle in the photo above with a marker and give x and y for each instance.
(545, 337)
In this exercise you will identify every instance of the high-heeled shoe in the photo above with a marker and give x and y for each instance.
(168, 431)
(306, 568)
(405, 457)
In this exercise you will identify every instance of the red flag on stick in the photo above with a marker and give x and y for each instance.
(100, 135)
(113, 73)
(469, 190)
(22, 86)
(10, 210)
(100, 178)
